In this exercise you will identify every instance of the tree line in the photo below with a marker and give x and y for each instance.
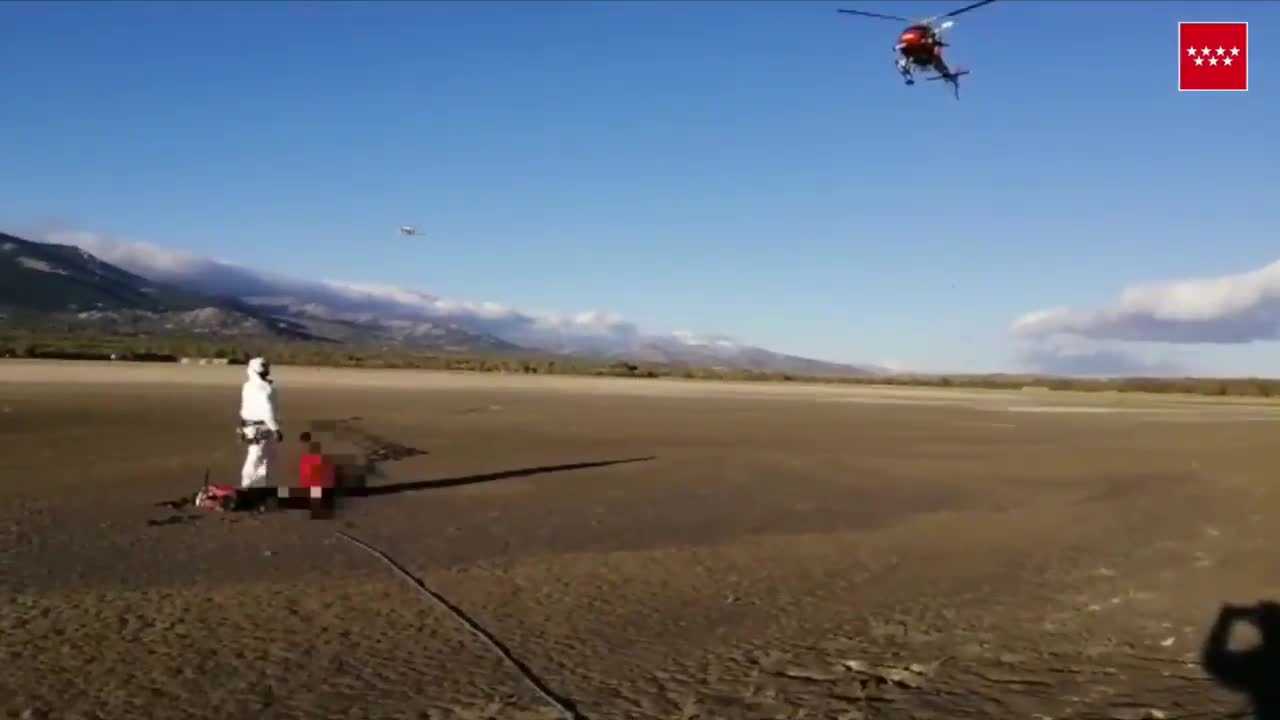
(237, 351)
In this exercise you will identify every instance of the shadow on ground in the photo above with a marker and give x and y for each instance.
(1253, 672)
(417, 485)
(376, 448)
(353, 473)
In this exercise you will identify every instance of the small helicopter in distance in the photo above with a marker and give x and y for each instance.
(407, 230)
(920, 45)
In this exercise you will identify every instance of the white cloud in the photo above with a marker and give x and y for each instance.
(692, 339)
(590, 330)
(1238, 308)
(1082, 357)
(1151, 329)
(894, 366)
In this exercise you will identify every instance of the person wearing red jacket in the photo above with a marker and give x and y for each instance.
(316, 472)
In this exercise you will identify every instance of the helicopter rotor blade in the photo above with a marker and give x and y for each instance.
(972, 6)
(967, 8)
(875, 15)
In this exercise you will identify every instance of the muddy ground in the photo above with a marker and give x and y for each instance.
(763, 551)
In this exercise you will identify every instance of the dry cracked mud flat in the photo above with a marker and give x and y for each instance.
(763, 552)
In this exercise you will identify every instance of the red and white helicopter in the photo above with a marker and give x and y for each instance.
(920, 45)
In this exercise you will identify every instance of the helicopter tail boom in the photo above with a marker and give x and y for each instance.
(952, 79)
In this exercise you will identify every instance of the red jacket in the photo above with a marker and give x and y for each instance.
(316, 471)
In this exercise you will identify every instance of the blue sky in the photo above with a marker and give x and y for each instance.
(749, 168)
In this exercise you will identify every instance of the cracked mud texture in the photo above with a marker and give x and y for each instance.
(766, 551)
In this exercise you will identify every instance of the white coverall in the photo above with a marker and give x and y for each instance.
(261, 428)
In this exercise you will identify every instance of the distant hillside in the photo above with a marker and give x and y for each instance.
(45, 286)
(370, 329)
(680, 352)
(66, 287)
(61, 278)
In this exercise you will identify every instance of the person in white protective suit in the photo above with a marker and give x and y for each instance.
(259, 426)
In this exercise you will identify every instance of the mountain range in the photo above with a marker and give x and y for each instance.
(144, 290)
